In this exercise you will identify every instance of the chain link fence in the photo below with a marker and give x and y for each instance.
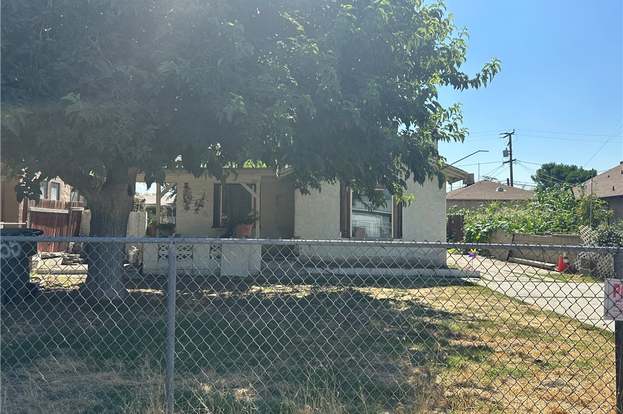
(295, 326)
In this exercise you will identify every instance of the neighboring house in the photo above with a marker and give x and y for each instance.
(167, 207)
(12, 212)
(607, 186)
(58, 211)
(54, 193)
(486, 192)
(203, 206)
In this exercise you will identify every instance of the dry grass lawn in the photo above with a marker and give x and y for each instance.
(266, 348)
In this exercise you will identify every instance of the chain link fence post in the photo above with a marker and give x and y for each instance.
(170, 332)
(618, 338)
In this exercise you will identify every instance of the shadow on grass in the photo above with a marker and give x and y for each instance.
(257, 349)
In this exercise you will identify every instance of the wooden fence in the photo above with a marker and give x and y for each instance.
(55, 218)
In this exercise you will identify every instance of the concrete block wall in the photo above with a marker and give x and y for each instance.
(541, 255)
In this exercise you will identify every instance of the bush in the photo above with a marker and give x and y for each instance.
(611, 236)
(553, 210)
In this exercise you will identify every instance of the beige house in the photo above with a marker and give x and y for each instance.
(54, 192)
(486, 192)
(607, 186)
(204, 206)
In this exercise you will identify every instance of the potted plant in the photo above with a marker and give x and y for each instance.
(242, 226)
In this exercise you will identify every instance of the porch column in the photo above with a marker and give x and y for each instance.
(255, 194)
(158, 196)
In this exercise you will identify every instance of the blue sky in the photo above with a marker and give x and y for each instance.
(560, 88)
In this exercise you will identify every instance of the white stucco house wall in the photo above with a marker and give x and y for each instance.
(281, 211)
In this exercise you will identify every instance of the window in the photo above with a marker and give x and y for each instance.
(360, 219)
(231, 201)
(74, 196)
(55, 191)
(371, 222)
(44, 189)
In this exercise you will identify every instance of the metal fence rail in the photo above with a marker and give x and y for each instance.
(147, 325)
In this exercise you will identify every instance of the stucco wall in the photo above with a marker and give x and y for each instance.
(276, 208)
(425, 218)
(317, 216)
(9, 207)
(616, 205)
(194, 204)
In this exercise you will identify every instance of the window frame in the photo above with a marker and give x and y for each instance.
(57, 186)
(346, 192)
(390, 214)
(44, 189)
(218, 224)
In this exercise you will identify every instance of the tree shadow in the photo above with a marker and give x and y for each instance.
(367, 350)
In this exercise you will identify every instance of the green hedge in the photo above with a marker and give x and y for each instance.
(554, 210)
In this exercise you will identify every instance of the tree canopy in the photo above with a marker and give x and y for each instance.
(552, 175)
(98, 91)
(93, 89)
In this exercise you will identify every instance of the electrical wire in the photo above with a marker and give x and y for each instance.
(570, 133)
(520, 163)
(493, 172)
(596, 152)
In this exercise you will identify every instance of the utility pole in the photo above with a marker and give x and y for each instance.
(509, 153)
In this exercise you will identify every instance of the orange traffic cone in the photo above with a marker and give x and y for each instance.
(562, 265)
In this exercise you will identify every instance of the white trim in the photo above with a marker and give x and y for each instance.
(49, 210)
(249, 189)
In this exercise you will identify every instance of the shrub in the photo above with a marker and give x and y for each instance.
(553, 210)
(610, 235)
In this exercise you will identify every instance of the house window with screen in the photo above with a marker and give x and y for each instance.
(55, 191)
(74, 195)
(360, 219)
(371, 222)
(44, 190)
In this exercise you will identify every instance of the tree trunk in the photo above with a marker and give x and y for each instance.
(110, 208)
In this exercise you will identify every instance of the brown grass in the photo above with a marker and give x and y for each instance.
(541, 361)
(483, 353)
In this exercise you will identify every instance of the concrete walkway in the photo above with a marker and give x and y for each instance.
(580, 301)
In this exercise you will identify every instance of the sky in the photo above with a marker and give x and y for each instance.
(560, 87)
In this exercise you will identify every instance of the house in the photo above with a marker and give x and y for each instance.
(12, 212)
(58, 211)
(486, 192)
(204, 206)
(54, 194)
(607, 186)
(167, 207)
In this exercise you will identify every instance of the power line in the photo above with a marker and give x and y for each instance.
(541, 163)
(596, 152)
(585, 141)
(478, 163)
(494, 171)
(543, 174)
(570, 133)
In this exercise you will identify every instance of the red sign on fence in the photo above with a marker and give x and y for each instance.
(613, 299)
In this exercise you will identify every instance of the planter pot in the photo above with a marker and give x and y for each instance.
(244, 231)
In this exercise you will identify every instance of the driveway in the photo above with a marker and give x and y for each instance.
(580, 301)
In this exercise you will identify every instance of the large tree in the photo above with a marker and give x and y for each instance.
(98, 91)
(554, 175)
